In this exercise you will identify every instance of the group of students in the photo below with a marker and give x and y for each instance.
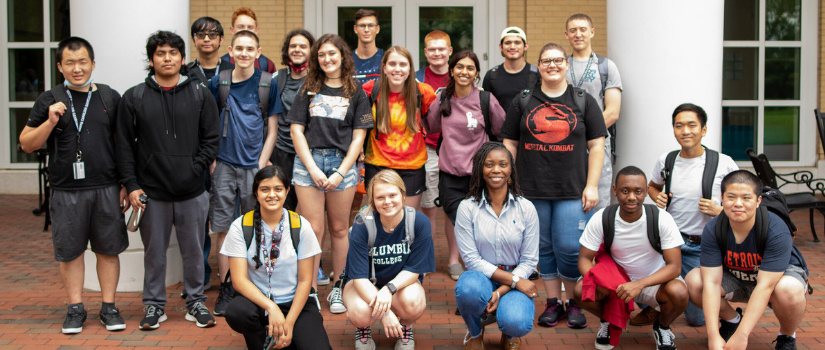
(263, 141)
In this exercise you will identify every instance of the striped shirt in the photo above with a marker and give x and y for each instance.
(486, 240)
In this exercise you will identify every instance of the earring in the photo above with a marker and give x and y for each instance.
(509, 180)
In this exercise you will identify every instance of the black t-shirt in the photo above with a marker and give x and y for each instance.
(284, 141)
(742, 260)
(97, 141)
(508, 85)
(552, 143)
(333, 117)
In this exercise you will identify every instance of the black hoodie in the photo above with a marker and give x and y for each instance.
(164, 144)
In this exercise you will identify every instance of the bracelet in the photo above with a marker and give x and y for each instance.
(339, 173)
(498, 294)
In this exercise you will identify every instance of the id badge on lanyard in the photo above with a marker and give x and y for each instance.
(79, 167)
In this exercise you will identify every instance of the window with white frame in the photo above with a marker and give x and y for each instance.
(769, 84)
(33, 29)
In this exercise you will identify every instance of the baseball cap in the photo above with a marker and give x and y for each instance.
(514, 31)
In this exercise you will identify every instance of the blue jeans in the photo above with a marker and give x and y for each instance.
(561, 223)
(690, 261)
(515, 310)
(328, 160)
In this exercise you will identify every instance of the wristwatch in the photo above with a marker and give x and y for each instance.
(515, 282)
(391, 287)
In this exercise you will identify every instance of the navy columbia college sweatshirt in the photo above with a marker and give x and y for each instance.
(164, 144)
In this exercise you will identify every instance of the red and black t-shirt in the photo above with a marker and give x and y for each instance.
(552, 137)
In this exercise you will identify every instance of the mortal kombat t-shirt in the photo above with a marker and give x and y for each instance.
(552, 137)
(742, 260)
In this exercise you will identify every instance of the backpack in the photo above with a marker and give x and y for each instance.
(711, 163)
(193, 66)
(372, 232)
(609, 226)
(533, 81)
(484, 97)
(578, 97)
(264, 85)
(281, 77)
(773, 201)
(374, 98)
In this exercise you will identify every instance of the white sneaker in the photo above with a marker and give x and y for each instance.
(336, 304)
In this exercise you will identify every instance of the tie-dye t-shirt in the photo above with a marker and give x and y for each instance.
(400, 148)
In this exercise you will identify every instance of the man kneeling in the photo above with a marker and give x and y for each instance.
(753, 262)
(650, 254)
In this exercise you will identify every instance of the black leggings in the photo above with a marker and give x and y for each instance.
(244, 317)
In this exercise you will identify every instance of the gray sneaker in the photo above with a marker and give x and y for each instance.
(363, 339)
(406, 341)
(455, 271)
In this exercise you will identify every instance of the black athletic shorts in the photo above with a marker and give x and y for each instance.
(414, 180)
(84, 217)
(451, 191)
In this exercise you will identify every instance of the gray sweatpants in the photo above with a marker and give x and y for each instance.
(189, 219)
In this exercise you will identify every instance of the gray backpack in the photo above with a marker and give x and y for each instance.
(368, 217)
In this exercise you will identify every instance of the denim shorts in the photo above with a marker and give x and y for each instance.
(328, 160)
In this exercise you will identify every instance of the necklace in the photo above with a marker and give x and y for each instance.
(462, 100)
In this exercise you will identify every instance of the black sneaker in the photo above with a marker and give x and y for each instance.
(75, 318)
(785, 342)
(726, 329)
(199, 314)
(224, 297)
(663, 336)
(111, 319)
(553, 313)
(603, 336)
(154, 316)
(534, 276)
(575, 315)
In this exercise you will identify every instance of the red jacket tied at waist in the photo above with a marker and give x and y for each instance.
(607, 274)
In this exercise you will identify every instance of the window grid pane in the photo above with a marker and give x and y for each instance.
(26, 72)
(741, 20)
(782, 133)
(782, 73)
(783, 20)
(740, 74)
(738, 131)
(25, 22)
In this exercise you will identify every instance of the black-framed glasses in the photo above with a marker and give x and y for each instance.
(211, 35)
(545, 62)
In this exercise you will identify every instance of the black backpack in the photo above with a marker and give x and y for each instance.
(773, 201)
(61, 95)
(264, 85)
(484, 97)
(609, 226)
(711, 163)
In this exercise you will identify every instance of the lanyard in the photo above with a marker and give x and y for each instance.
(270, 255)
(200, 66)
(586, 68)
(79, 124)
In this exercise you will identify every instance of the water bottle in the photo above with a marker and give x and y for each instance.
(134, 219)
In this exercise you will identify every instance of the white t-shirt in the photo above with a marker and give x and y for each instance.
(686, 186)
(285, 276)
(631, 248)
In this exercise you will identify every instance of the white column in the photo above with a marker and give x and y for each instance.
(118, 31)
(668, 53)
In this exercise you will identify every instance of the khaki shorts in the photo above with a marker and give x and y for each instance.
(648, 295)
(429, 196)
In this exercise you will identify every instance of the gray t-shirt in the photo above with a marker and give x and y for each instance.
(284, 142)
(585, 74)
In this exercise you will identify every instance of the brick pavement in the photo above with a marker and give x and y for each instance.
(33, 305)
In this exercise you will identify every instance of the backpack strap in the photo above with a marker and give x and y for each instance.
(295, 229)
(711, 163)
(484, 98)
(246, 226)
(409, 217)
(224, 82)
(493, 74)
(609, 225)
(263, 63)
(580, 99)
(369, 223)
(264, 87)
(374, 92)
(419, 75)
(533, 81)
(652, 213)
(108, 99)
(524, 98)
(667, 173)
(281, 77)
(193, 66)
(760, 227)
(602, 73)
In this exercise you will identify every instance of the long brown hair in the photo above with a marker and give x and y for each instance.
(410, 93)
(315, 77)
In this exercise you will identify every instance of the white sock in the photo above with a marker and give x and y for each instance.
(735, 319)
(792, 336)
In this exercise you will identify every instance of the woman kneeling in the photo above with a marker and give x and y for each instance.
(497, 234)
(390, 249)
(274, 298)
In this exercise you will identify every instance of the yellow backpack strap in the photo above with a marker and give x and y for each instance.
(247, 224)
(295, 229)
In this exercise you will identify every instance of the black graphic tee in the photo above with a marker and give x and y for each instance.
(742, 259)
(552, 137)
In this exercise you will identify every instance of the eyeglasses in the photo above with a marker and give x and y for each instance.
(211, 35)
(546, 62)
(367, 26)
